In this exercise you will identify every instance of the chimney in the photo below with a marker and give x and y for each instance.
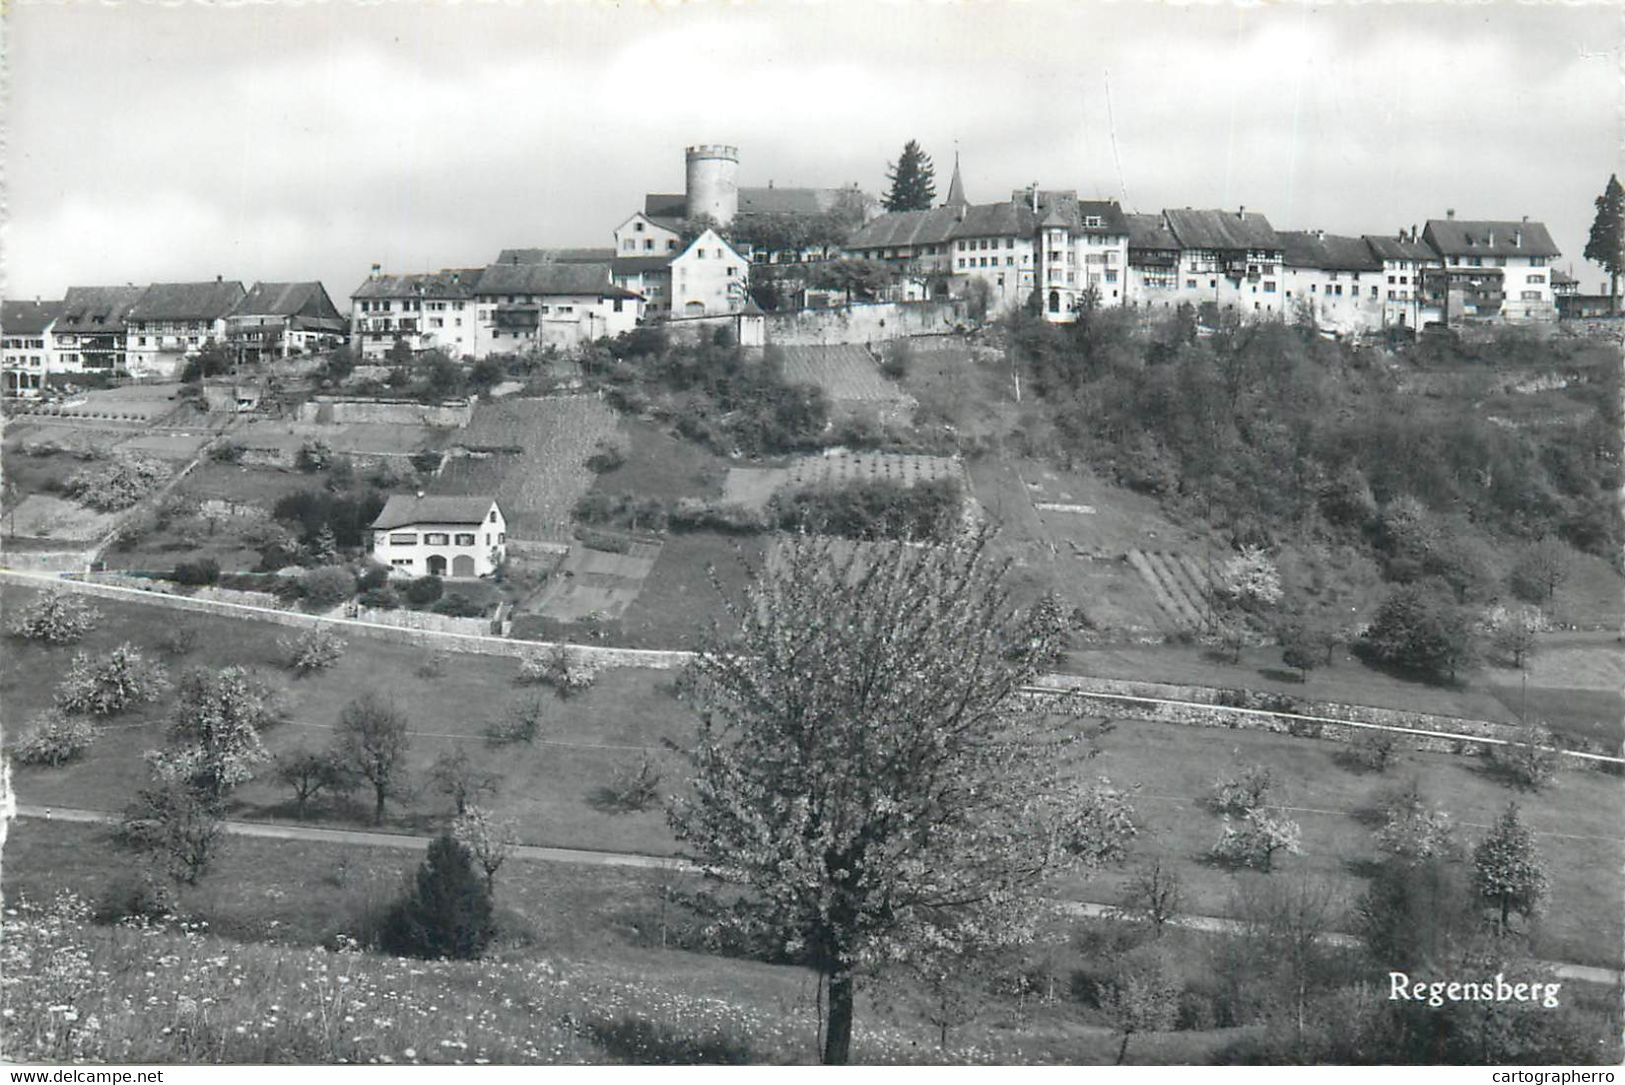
(377, 269)
(1517, 238)
(1490, 242)
(1526, 220)
(1242, 212)
(1450, 214)
(1034, 191)
(219, 278)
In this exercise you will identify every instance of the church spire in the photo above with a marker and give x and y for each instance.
(956, 187)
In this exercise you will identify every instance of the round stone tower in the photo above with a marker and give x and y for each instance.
(713, 181)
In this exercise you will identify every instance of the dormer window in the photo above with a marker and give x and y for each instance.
(1092, 221)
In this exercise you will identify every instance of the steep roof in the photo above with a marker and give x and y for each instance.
(993, 220)
(451, 283)
(28, 317)
(1457, 237)
(1149, 232)
(1563, 278)
(549, 279)
(787, 201)
(89, 309)
(1221, 229)
(639, 265)
(403, 510)
(956, 188)
(556, 256)
(286, 299)
(903, 228)
(665, 205)
(1311, 248)
(1400, 248)
(186, 301)
(1075, 213)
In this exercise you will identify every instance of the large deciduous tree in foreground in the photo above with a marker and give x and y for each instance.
(868, 780)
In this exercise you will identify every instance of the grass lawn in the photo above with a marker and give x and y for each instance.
(975, 397)
(658, 464)
(245, 485)
(552, 788)
(1576, 821)
(599, 927)
(678, 597)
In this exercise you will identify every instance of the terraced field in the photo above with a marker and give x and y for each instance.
(531, 453)
(753, 486)
(1177, 582)
(846, 373)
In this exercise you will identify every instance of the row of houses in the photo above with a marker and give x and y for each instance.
(1057, 248)
(149, 331)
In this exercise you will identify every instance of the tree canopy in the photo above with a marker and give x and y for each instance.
(912, 179)
(866, 775)
(1606, 245)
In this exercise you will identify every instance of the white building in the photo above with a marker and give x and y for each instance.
(171, 321)
(1493, 270)
(709, 277)
(458, 537)
(27, 352)
(1404, 260)
(91, 335)
(1082, 249)
(522, 307)
(1331, 281)
(643, 235)
(1229, 258)
(278, 320)
(425, 312)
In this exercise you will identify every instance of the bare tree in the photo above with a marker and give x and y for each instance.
(373, 741)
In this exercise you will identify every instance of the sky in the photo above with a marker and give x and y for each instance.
(310, 140)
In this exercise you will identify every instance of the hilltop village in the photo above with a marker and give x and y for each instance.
(815, 625)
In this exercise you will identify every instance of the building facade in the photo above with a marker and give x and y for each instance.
(279, 320)
(27, 347)
(434, 311)
(520, 307)
(92, 333)
(709, 277)
(171, 321)
(456, 537)
(1492, 270)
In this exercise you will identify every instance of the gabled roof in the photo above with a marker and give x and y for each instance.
(404, 510)
(639, 265)
(1075, 213)
(549, 279)
(710, 237)
(556, 256)
(994, 220)
(787, 201)
(1313, 249)
(335, 325)
(450, 283)
(905, 228)
(1400, 248)
(1563, 278)
(186, 301)
(1149, 232)
(89, 309)
(665, 205)
(1221, 229)
(28, 317)
(286, 299)
(1456, 237)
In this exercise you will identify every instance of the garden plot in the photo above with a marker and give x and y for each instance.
(1177, 582)
(596, 583)
(355, 438)
(532, 453)
(846, 373)
(753, 487)
(54, 519)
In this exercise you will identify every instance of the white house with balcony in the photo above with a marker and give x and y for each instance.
(457, 537)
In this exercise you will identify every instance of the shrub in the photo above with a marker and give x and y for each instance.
(327, 586)
(520, 722)
(424, 590)
(458, 605)
(196, 573)
(433, 665)
(871, 510)
(634, 786)
(178, 640)
(384, 598)
(1374, 750)
(896, 361)
(55, 617)
(118, 483)
(54, 738)
(606, 456)
(446, 913)
(426, 462)
(1413, 831)
(1244, 793)
(134, 894)
(1421, 630)
(110, 684)
(1529, 759)
(227, 452)
(373, 576)
(561, 668)
(316, 649)
(313, 456)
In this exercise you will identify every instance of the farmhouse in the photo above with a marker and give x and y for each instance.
(172, 320)
(276, 320)
(432, 311)
(440, 536)
(526, 306)
(91, 334)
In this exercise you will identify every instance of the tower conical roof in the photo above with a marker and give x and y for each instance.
(956, 188)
